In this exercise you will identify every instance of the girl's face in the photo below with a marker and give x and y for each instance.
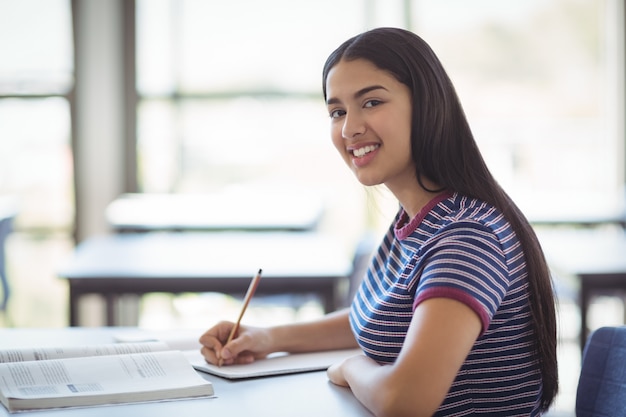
(371, 123)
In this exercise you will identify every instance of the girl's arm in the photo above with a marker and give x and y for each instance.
(329, 332)
(441, 335)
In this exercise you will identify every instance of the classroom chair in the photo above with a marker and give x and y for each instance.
(602, 385)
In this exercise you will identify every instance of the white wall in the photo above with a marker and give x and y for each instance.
(99, 128)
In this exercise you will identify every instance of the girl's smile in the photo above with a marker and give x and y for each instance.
(362, 155)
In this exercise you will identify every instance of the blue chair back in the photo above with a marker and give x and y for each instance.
(602, 384)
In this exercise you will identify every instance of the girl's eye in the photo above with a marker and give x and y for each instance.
(372, 103)
(336, 113)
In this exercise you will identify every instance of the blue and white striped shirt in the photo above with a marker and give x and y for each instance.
(463, 249)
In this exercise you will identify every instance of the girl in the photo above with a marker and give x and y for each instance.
(456, 315)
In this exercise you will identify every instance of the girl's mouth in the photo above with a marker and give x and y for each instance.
(360, 152)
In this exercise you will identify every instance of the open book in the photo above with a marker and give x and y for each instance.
(114, 373)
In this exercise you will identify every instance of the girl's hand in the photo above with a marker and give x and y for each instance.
(248, 344)
(335, 375)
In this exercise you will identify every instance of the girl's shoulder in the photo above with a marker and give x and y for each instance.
(458, 210)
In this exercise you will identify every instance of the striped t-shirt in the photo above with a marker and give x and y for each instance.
(463, 249)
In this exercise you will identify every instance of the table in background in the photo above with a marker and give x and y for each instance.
(292, 263)
(596, 256)
(303, 395)
(247, 210)
(579, 216)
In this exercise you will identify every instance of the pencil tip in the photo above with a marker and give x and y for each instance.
(260, 270)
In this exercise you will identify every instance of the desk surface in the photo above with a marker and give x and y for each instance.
(208, 255)
(302, 395)
(585, 251)
(219, 211)
(131, 263)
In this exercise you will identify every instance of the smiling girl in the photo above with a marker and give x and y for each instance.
(456, 314)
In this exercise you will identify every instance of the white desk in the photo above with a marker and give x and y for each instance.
(141, 263)
(218, 211)
(301, 395)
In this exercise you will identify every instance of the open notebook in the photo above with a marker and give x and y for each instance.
(275, 364)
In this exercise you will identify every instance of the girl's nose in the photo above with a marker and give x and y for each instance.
(353, 126)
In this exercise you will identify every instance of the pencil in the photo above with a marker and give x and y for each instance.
(251, 289)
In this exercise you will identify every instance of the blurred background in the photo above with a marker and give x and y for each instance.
(100, 98)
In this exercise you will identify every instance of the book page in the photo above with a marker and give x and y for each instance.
(276, 364)
(100, 380)
(176, 340)
(45, 353)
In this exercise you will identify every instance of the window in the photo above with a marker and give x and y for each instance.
(36, 74)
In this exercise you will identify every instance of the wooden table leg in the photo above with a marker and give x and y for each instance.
(74, 299)
(110, 314)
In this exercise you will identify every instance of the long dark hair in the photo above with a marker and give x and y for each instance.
(444, 151)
